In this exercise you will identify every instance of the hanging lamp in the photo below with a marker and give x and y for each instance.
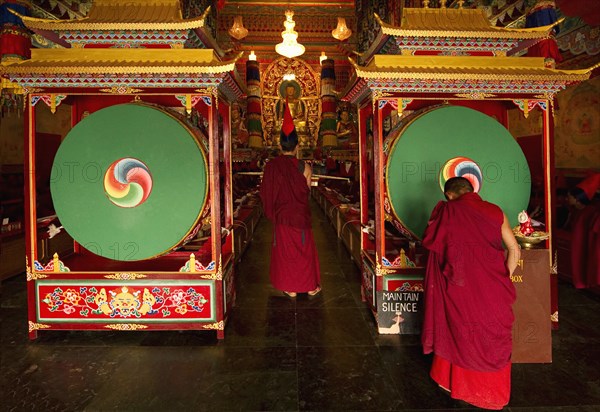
(289, 47)
(237, 30)
(341, 32)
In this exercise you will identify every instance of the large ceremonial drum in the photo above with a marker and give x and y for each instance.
(129, 182)
(434, 144)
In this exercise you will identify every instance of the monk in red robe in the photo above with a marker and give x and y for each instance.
(585, 232)
(469, 296)
(285, 192)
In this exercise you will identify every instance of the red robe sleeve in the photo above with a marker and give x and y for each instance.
(268, 191)
(433, 238)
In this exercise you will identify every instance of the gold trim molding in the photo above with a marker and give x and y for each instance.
(125, 276)
(475, 95)
(125, 326)
(381, 270)
(218, 275)
(116, 69)
(121, 90)
(32, 275)
(220, 325)
(37, 326)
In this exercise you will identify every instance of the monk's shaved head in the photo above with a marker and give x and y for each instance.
(456, 187)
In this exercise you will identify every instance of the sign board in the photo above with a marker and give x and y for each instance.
(399, 313)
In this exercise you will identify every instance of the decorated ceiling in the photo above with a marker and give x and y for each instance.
(578, 37)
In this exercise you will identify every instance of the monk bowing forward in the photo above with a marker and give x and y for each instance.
(469, 296)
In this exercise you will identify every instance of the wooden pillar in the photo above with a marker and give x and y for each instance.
(378, 180)
(550, 204)
(30, 210)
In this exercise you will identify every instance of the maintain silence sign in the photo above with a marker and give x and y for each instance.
(399, 312)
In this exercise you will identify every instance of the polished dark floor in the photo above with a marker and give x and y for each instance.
(311, 354)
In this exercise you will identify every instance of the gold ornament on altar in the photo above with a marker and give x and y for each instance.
(530, 241)
(341, 32)
(289, 47)
(525, 234)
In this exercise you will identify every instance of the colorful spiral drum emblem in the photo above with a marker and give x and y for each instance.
(461, 167)
(127, 182)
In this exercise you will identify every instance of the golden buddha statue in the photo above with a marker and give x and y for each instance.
(291, 91)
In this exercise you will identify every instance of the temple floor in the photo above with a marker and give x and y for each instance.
(309, 353)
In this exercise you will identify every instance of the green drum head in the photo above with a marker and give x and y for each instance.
(129, 182)
(452, 140)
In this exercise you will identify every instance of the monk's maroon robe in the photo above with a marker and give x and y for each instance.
(585, 247)
(285, 195)
(468, 298)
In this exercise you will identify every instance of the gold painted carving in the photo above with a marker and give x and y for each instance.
(472, 74)
(144, 18)
(378, 94)
(32, 275)
(380, 270)
(37, 326)
(220, 325)
(125, 276)
(471, 26)
(474, 95)
(218, 275)
(125, 326)
(27, 90)
(113, 67)
(212, 276)
(35, 276)
(209, 91)
(550, 98)
(121, 90)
